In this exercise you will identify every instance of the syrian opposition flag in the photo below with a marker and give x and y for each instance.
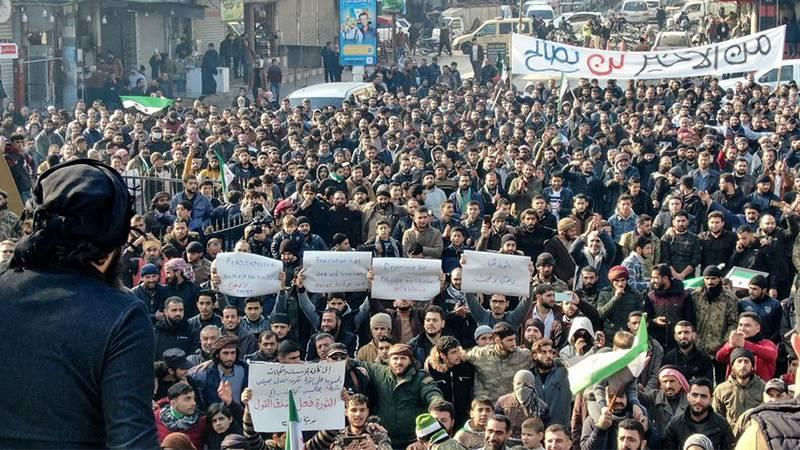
(226, 175)
(562, 91)
(147, 105)
(294, 435)
(618, 366)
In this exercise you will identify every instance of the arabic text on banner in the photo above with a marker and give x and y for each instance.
(495, 273)
(547, 59)
(407, 279)
(248, 275)
(336, 271)
(317, 390)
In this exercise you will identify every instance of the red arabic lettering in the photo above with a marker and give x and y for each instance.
(599, 66)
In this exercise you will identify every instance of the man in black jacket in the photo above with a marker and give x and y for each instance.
(700, 418)
(96, 353)
(174, 331)
(150, 292)
(717, 244)
(343, 219)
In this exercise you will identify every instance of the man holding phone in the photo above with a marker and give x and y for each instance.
(361, 433)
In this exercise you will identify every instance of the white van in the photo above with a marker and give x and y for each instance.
(788, 70)
(637, 11)
(332, 94)
(544, 12)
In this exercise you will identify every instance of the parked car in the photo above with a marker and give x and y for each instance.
(667, 40)
(494, 35)
(637, 11)
(543, 11)
(788, 70)
(576, 20)
(332, 94)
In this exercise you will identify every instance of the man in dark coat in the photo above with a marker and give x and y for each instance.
(208, 69)
(98, 346)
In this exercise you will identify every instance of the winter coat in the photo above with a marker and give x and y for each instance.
(731, 399)
(495, 372)
(713, 426)
(456, 385)
(555, 391)
(764, 350)
(716, 318)
(197, 433)
(170, 334)
(674, 304)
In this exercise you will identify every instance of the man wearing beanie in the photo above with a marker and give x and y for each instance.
(742, 390)
(717, 312)
(431, 433)
(397, 406)
(558, 246)
(748, 336)
(768, 309)
(544, 272)
(380, 325)
(151, 292)
(97, 345)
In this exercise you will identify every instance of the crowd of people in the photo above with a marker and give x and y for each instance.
(618, 193)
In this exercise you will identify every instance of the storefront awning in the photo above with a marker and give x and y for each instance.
(176, 8)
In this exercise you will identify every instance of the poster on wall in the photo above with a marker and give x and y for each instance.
(232, 10)
(358, 35)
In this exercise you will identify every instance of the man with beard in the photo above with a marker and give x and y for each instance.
(523, 188)
(491, 237)
(777, 242)
(603, 433)
(531, 235)
(717, 312)
(669, 400)
(231, 326)
(691, 361)
(180, 237)
(588, 292)
(180, 283)
(159, 217)
(67, 271)
(433, 325)
(544, 272)
(680, 248)
(498, 431)
(422, 240)
(201, 207)
(310, 241)
(615, 305)
(225, 368)
(382, 209)
(151, 292)
(9, 221)
(331, 323)
(729, 195)
(749, 253)
(267, 348)
(397, 408)
(558, 246)
(717, 243)
(666, 304)
(644, 228)
(434, 197)
(174, 331)
(748, 336)
(631, 435)
(768, 309)
(453, 376)
(699, 418)
(742, 390)
(343, 219)
(208, 335)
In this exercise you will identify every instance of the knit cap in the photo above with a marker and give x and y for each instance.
(429, 429)
(380, 320)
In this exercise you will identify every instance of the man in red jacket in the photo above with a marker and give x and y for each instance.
(179, 412)
(748, 336)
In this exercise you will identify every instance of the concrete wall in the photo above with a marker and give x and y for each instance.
(151, 34)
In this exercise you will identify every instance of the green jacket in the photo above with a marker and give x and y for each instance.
(495, 373)
(614, 311)
(715, 319)
(400, 400)
(450, 444)
(731, 399)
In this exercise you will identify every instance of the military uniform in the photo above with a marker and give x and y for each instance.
(715, 318)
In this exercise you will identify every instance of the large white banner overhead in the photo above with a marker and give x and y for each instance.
(539, 58)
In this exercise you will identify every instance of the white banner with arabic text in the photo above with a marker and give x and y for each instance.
(539, 58)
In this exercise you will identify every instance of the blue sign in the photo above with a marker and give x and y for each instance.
(358, 38)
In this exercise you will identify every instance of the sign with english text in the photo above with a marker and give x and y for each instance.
(406, 278)
(336, 271)
(317, 390)
(248, 275)
(496, 273)
(546, 59)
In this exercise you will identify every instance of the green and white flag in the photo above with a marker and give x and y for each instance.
(562, 90)
(740, 277)
(226, 175)
(624, 364)
(294, 434)
(147, 105)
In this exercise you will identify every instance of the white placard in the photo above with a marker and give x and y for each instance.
(547, 59)
(247, 275)
(496, 273)
(336, 271)
(317, 390)
(406, 278)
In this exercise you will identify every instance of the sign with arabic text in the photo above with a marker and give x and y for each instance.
(317, 390)
(247, 274)
(496, 273)
(336, 271)
(546, 59)
(406, 278)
